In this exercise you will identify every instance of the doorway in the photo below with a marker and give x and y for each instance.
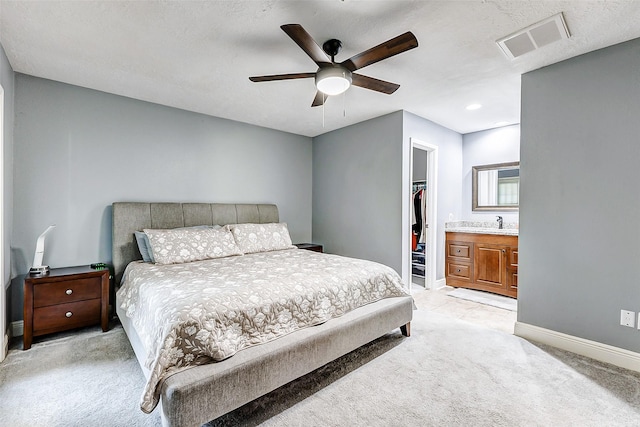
(420, 172)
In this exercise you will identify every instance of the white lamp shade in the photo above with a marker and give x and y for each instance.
(333, 80)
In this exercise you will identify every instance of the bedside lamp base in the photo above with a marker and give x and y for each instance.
(39, 271)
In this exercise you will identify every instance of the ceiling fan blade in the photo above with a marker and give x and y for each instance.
(320, 99)
(282, 77)
(392, 47)
(373, 84)
(306, 43)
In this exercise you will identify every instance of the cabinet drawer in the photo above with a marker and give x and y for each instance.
(67, 291)
(63, 316)
(514, 257)
(459, 270)
(458, 250)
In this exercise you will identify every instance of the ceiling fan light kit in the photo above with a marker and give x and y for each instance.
(335, 78)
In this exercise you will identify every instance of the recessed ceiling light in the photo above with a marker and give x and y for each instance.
(473, 106)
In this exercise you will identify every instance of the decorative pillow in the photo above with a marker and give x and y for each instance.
(253, 238)
(180, 245)
(144, 246)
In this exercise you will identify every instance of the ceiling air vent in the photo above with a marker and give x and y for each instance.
(534, 36)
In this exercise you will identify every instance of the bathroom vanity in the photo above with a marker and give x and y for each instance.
(482, 258)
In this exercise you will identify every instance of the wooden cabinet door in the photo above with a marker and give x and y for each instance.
(490, 268)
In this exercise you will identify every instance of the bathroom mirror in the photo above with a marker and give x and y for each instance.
(496, 187)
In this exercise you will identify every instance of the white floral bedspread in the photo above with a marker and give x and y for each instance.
(204, 311)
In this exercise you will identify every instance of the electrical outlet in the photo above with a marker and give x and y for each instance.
(627, 318)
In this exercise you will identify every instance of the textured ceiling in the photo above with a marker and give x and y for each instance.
(198, 55)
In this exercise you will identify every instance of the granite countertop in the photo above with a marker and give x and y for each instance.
(479, 227)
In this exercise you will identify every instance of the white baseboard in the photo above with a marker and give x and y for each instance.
(5, 350)
(17, 328)
(593, 349)
(439, 284)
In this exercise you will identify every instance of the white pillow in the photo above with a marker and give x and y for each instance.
(253, 238)
(180, 245)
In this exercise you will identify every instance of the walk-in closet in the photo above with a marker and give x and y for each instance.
(419, 217)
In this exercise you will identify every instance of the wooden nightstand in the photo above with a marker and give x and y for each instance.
(66, 298)
(309, 246)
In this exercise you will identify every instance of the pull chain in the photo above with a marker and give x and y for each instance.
(344, 104)
(323, 110)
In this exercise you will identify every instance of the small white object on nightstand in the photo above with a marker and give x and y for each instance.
(38, 268)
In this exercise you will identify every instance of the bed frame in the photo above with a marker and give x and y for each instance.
(202, 393)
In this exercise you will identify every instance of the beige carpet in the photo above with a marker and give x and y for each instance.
(448, 373)
(90, 378)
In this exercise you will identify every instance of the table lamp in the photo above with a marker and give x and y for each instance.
(38, 269)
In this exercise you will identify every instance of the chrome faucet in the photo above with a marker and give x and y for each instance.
(499, 222)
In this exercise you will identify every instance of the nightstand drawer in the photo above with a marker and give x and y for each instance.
(52, 293)
(66, 316)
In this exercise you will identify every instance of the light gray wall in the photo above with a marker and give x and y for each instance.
(419, 164)
(357, 174)
(357, 186)
(500, 145)
(7, 80)
(580, 202)
(449, 145)
(78, 150)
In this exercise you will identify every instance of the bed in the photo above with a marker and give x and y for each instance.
(193, 395)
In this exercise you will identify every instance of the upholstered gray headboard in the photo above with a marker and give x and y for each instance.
(135, 216)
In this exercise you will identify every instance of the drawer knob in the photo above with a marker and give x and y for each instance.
(458, 250)
(458, 271)
(69, 291)
(68, 314)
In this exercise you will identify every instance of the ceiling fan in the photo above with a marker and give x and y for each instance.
(334, 78)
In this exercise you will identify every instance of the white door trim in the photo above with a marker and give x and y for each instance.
(4, 340)
(432, 188)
